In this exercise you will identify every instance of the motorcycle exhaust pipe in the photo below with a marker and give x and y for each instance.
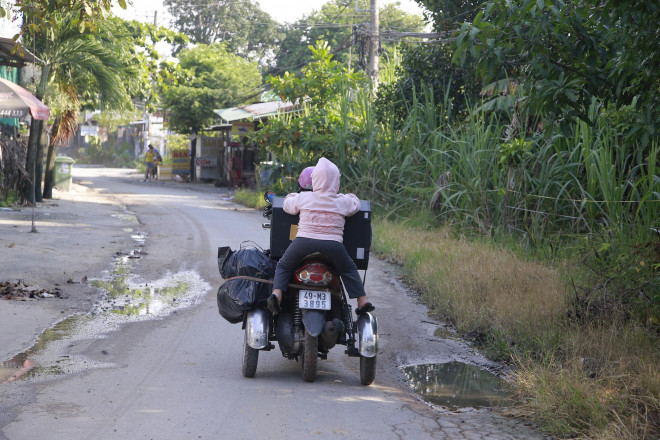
(330, 334)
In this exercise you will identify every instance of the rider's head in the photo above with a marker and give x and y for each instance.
(326, 177)
(305, 179)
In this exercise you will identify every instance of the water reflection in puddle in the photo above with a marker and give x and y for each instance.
(456, 385)
(124, 296)
(24, 364)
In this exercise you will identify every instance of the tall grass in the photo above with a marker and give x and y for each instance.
(582, 181)
(597, 379)
(479, 287)
(582, 326)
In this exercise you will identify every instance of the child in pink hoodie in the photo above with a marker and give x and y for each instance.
(321, 229)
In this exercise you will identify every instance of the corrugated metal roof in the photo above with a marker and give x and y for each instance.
(255, 111)
(232, 114)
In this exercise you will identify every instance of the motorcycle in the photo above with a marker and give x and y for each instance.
(315, 317)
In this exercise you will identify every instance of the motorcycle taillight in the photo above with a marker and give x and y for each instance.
(314, 274)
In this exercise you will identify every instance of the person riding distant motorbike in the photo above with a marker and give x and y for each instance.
(320, 229)
(149, 163)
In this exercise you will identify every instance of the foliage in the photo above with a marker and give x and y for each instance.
(565, 55)
(334, 23)
(428, 65)
(304, 136)
(81, 65)
(455, 87)
(444, 14)
(177, 142)
(250, 198)
(576, 193)
(138, 41)
(245, 29)
(214, 78)
(40, 15)
(320, 82)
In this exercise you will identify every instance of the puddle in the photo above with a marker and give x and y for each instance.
(15, 367)
(124, 298)
(455, 385)
(132, 298)
(23, 364)
(140, 238)
(122, 295)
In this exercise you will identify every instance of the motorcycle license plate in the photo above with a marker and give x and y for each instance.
(314, 299)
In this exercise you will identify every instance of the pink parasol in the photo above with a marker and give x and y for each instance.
(16, 102)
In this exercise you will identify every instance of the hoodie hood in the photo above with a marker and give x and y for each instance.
(325, 177)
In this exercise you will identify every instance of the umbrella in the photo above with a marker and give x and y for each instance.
(16, 102)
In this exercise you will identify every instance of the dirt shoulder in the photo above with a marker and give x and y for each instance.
(78, 234)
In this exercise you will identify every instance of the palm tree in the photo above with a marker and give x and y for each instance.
(77, 66)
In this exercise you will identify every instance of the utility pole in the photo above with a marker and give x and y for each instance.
(372, 67)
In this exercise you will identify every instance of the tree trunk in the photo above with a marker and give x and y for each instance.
(50, 161)
(34, 141)
(39, 171)
(30, 161)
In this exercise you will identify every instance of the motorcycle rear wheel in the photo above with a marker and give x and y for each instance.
(250, 359)
(367, 370)
(309, 357)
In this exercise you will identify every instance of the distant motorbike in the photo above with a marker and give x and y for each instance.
(315, 317)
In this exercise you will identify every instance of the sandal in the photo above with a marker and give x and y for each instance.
(272, 305)
(368, 307)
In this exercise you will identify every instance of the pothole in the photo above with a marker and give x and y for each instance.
(456, 385)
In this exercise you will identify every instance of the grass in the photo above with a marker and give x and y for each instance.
(606, 385)
(249, 198)
(597, 379)
(566, 275)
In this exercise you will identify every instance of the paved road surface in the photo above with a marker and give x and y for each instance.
(179, 377)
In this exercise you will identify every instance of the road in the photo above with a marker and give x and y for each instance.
(177, 375)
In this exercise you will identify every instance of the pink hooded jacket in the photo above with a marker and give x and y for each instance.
(323, 210)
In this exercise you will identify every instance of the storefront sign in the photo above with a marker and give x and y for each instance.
(240, 129)
(180, 162)
(206, 162)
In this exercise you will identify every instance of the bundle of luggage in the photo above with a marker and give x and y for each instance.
(244, 271)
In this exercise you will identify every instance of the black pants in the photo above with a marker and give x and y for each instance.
(341, 261)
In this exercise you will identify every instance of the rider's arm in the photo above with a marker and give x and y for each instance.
(290, 204)
(352, 204)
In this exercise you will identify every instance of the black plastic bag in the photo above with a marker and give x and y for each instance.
(247, 261)
(223, 253)
(237, 296)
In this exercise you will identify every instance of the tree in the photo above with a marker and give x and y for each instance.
(215, 78)
(102, 69)
(566, 56)
(246, 30)
(335, 24)
(318, 90)
(41, 19)
(430, 66)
